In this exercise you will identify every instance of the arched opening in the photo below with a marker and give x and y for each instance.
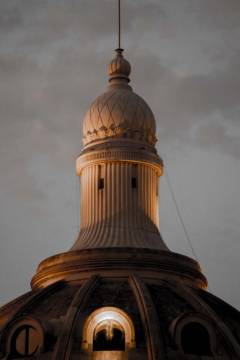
(108, 336)
(108, 329)
(195, 339)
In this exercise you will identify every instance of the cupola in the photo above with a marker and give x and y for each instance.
(119, 112)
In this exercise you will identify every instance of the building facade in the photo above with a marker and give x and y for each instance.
(119, 293)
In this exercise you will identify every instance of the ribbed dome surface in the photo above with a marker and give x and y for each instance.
(119, 112)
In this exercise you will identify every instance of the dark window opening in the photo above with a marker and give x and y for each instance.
(134, 182)
(109, 342)
(101, 183)
(195, 340)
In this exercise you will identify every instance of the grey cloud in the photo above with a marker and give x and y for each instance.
(182, 104)
(216, 135)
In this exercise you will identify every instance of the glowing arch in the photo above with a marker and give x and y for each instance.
(108, 313)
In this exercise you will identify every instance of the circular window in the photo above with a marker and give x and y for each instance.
(24, 339)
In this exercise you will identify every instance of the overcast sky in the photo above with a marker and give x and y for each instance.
(185, 57)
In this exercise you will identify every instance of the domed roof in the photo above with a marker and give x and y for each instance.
(119, 112)
(159, 315)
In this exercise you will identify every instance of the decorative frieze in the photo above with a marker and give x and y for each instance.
(111, 155)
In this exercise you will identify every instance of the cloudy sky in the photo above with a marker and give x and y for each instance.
(185, 58)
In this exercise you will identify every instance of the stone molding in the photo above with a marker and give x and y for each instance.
(119, 155)
(118, 262)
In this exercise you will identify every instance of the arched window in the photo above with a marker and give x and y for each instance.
(195, 339)
(109, 335)
(108, 329)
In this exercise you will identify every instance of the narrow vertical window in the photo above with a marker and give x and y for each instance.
(134, 176)
(101, 183)
(134, 182)
(100, 177)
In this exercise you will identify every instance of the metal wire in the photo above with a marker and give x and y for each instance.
(179, 214)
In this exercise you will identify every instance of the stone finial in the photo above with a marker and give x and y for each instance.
(119, 68)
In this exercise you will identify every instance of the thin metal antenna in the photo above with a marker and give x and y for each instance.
(119, 24)
(180, 214)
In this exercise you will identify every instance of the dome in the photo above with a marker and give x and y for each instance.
(120, 316)
(119, 112)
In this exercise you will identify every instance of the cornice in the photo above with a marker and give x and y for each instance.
(119, 155)
(118, 262)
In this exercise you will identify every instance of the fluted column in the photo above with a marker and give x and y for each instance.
(119, 200)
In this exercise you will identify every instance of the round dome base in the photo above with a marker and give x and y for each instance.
(118, 262)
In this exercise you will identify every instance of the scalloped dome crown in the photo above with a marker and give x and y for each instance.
(119, 112)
